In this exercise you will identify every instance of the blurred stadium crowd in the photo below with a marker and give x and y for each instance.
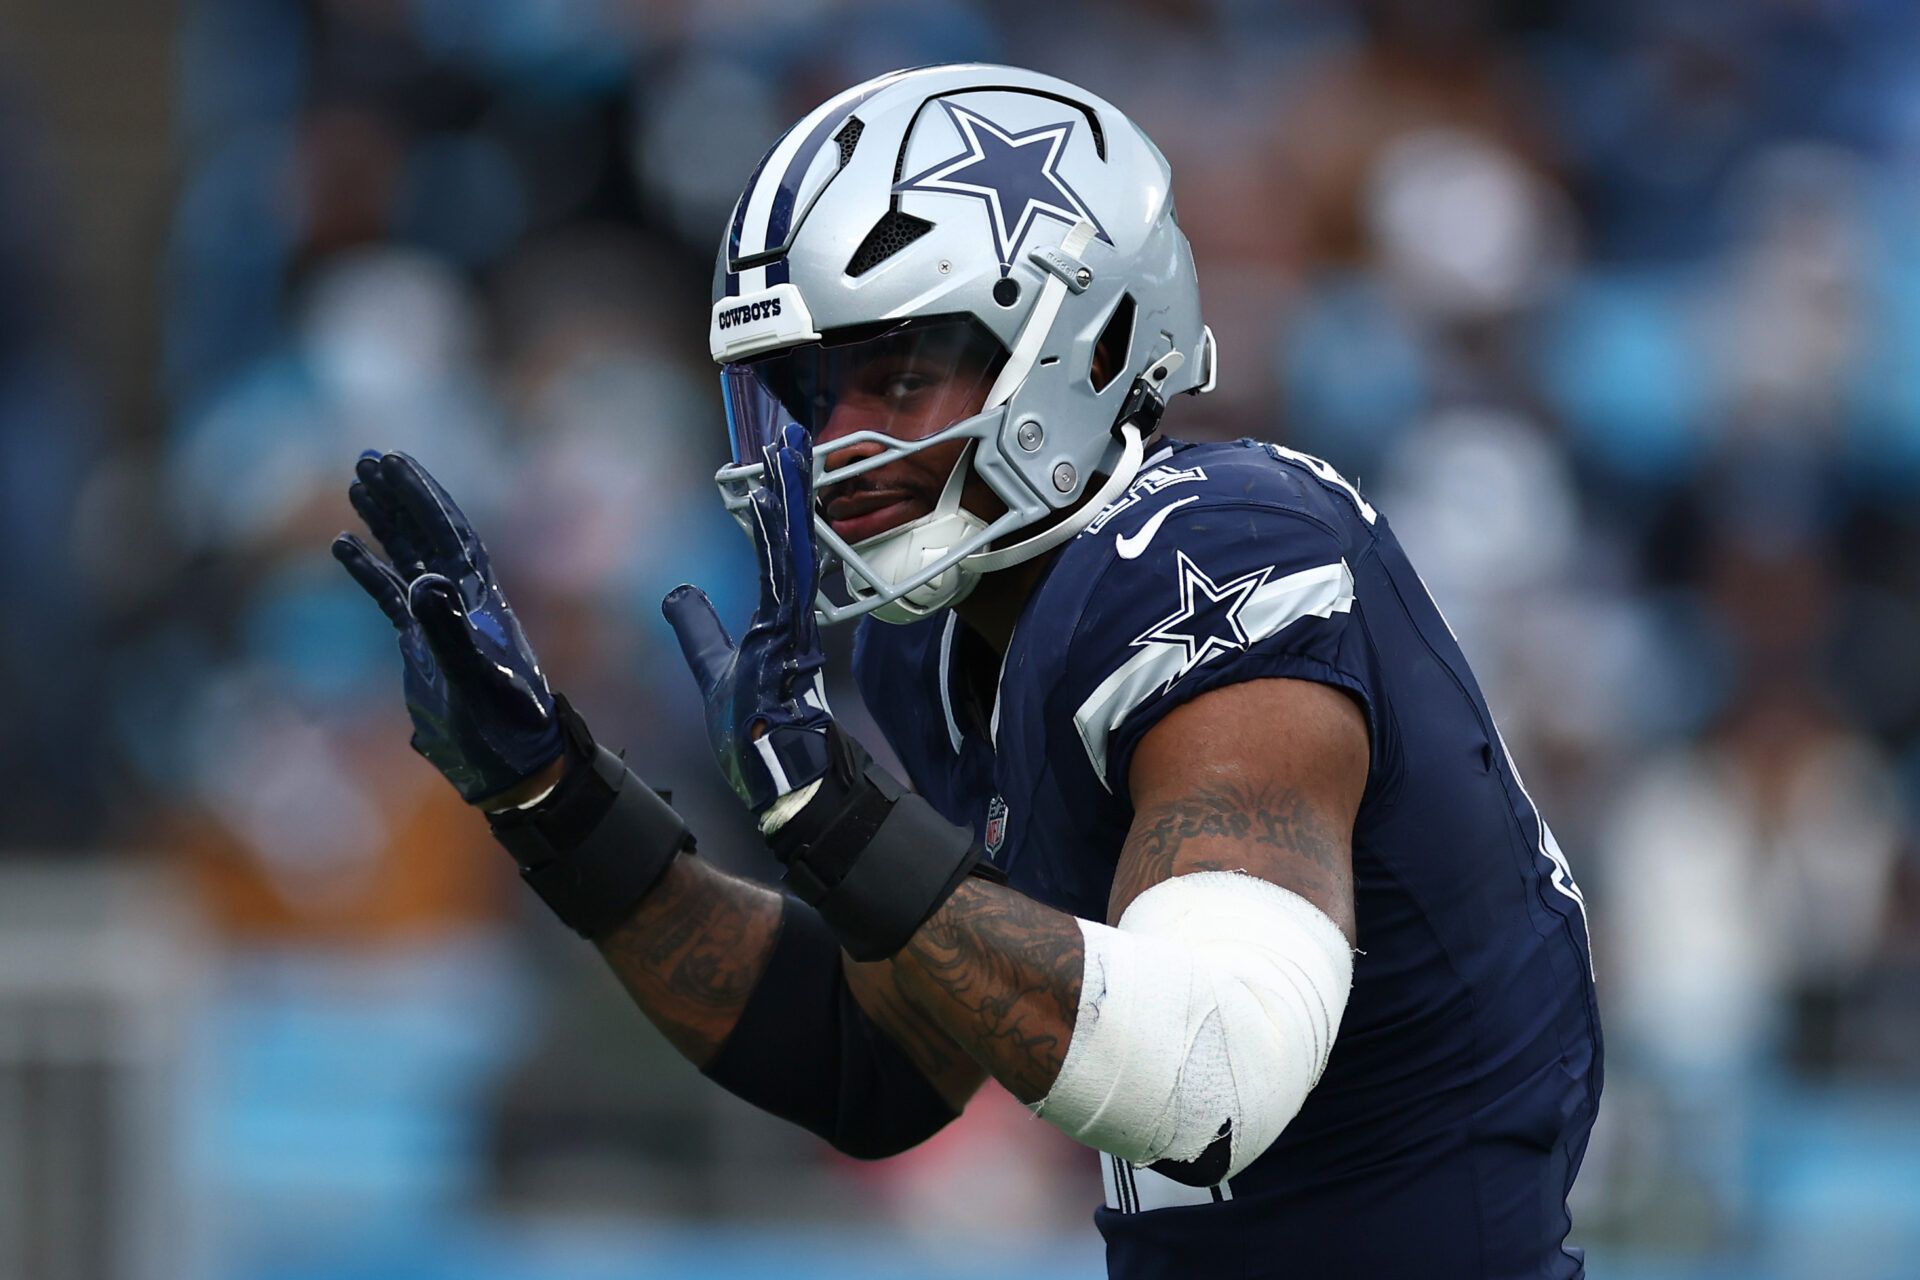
(1613, 309)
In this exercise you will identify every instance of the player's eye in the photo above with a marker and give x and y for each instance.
(904, 385)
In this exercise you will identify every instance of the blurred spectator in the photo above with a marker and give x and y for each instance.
(1756, 863)
(49, 647)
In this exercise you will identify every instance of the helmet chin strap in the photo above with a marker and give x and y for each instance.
(1026, 349)
(1039, 324)
(1132, 452)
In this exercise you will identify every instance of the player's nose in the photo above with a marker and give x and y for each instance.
(849, 418)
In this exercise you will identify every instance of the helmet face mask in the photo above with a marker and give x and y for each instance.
(923, 268)
(893, 414)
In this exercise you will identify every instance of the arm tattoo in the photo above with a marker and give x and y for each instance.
(1001, 974)
(1266, 829)
(880, 991)
(692, 952)
(993, 974)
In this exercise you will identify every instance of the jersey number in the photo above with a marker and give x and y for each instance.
(1561, 877)
(1324, 469)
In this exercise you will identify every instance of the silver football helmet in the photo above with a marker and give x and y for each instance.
(983, 231)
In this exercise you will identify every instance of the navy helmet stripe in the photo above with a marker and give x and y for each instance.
(777, 201)
(782, 206)
(780, 217)
(746, 195)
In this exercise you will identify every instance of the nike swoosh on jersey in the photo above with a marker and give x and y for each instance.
(1130, 547)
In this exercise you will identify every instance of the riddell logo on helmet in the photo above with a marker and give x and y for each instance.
(748, 312)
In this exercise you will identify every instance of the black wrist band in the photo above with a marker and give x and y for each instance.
(874, 859)
(599, 842)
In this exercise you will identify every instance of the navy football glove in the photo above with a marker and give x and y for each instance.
(767, 717)
(482, 712)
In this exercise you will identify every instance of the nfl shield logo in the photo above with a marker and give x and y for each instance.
(996, 826)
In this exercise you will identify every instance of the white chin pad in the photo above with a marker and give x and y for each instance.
(898, 554)
(1217, 998)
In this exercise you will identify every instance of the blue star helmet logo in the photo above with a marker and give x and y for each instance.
(1014, 174)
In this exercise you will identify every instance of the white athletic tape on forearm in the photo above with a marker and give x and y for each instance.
(1217, 998)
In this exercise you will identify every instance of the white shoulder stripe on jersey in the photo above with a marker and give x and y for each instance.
(1320, 593)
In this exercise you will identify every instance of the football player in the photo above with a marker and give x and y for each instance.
(1211, 854)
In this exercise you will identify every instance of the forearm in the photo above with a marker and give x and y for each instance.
(1000, 974)
(692, 952)
(750, 986)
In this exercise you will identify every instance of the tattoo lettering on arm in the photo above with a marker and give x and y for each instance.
(1263, 777)
(1233, 826)
(692, 953)
(1000, 973)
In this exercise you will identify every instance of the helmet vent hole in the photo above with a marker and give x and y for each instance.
(1093, 127)
(894, 232)
(1006, 291)
(849, 138)
(1114, 346)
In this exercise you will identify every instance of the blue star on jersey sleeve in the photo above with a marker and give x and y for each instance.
(1226, 592)
(1208, 622)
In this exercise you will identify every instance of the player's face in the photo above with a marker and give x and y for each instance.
(903, 384)
(908, 392)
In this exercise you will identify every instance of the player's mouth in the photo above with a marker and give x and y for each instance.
(868, 513)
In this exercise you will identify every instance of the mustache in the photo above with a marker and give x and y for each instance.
(868, 485)
(867, 499)
(860, 487)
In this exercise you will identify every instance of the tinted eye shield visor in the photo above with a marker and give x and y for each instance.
(905, 382)
(902, 387)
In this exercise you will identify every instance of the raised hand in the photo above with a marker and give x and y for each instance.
(767, 716)
(482, 712)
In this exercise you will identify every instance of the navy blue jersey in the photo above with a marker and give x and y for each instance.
(1445, 1133)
